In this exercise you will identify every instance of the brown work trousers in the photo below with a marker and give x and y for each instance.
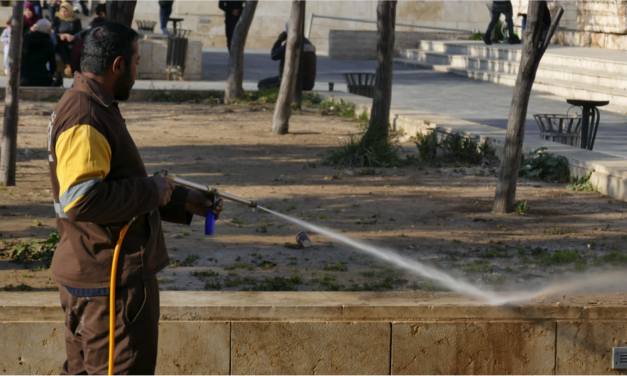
(136, 331)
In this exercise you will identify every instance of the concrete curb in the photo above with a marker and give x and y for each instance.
(610, 172)
(342, 333)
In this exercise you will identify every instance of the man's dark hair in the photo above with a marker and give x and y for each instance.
(100, 8)
(104, 44)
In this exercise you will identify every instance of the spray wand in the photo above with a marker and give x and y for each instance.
(212, 193)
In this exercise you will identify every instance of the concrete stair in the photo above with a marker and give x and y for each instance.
(559, 74)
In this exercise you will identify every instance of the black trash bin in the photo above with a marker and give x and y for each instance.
(177, 53)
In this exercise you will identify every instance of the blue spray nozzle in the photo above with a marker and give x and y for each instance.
(210, 222)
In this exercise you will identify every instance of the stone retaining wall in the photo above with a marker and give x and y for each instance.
(343, 333)
(362, 45)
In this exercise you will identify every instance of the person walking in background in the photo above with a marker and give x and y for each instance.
(6, 40)
(66, 26)
(164, 14)
(232, 12)
(501, 7)
(523, 5)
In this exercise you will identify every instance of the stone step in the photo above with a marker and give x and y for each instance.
(617, 98)
(555, 72)
(553, 56)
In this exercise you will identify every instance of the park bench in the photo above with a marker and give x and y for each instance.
(360, 83)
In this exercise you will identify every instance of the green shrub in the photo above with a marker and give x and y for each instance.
(458, 148)
(23, 251)
(358, 152)
(540, 165)
(582, 184)
(477, 36)
(521, 207)
(427, 146)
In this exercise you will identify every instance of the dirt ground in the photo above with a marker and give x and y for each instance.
(438, 214)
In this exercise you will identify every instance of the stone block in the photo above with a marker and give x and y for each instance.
(193, 347)
(419, 11)
(145, 52)
(310, 348)
(473, 347)
(585, 347)
(28, 348)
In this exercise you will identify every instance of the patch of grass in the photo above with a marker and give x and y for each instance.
(20, 287)
(367, 171)
(233, 280)
(582, 184)
(333, 287)
(338, 267)
(477, 36)
(213, 285)
(615, 258)
(521, 207)
(239, 265)
(26, 275)
(540, 165)
(190, 260)
(204, 274)
(277, 283)
(184, 96)
(478, 267)
(164, 280)
(367, 273)
(495, 252)
(35, 250)
(554, 231)
(267, 264)
(558, 257)
(238, 222)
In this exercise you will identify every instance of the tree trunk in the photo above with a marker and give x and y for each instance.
(121, 11)
(380, 114)
(8, 153)
(533, 49)
(283, 109)
(300, 78)
(236, 57)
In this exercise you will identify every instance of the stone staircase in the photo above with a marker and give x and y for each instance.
(562, 73)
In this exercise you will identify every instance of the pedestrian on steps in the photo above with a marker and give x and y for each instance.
(523, 6)
(232, 12)
(165, 11)
(501, 7)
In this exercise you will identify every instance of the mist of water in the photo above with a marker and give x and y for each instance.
(448, 281)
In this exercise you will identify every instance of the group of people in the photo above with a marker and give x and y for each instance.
(59, 32)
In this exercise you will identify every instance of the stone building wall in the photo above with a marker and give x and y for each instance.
(206, 20)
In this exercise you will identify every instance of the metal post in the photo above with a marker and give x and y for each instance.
(298, 94)
(311, 18)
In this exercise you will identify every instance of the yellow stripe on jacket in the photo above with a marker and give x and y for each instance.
(83, 160)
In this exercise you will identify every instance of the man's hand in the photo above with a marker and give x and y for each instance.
(165, 188)
(197, 203)
(283, 36)
(70, 38)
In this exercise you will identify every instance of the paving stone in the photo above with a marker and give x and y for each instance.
(310, 348)
(473, 348)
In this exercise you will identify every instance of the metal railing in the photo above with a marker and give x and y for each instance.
(313, 15)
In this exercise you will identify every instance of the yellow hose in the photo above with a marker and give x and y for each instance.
(114, 270)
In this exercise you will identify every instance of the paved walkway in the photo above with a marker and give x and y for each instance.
(431, 91)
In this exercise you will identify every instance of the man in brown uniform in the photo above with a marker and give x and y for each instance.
(100, 183)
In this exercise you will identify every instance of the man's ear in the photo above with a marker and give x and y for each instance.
(118, 65)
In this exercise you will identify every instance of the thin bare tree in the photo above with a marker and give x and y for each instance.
(234, 87)
(535, 42)
(283, 109)
(8, 153)
(380, 114)
(121, 11)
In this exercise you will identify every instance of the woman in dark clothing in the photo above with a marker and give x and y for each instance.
(30, 16)
(37, 52)
(65, 26)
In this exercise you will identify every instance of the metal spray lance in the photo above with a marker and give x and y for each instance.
(212, 193)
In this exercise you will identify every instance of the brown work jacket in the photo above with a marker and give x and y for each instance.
(99, 183)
